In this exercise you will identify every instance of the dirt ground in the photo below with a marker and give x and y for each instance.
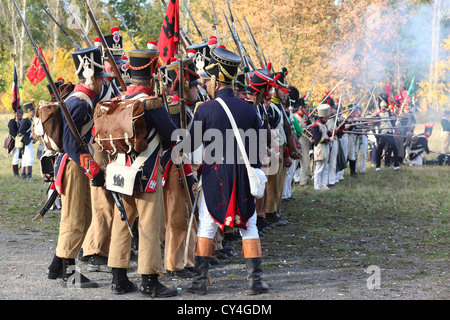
(291, 274)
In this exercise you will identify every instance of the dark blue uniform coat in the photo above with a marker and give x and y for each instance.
(225, 181)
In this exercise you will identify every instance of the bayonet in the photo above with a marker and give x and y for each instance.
(126, 28)
(123, 214)
(255, 45)
(76, 23)
(51, 83)
(107, 50)
(72, 40)
(109, 17)
(195, 25)
(215, 21)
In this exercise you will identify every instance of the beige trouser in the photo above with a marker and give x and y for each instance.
(149, 206)
(177, 223)
(99, 233)
(276, 185)
(445, 141)
(76, 211)
(261, 204)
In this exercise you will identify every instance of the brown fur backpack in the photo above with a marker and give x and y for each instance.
(120, 124)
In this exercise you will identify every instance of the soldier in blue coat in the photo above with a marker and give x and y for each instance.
(226, 201)
(27, 140)
(147, 200)
(76, 170)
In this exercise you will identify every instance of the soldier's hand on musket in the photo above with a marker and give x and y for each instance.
(190, 179)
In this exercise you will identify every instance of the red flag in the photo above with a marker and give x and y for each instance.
(170, 32)
(15, 93)
(35, 73)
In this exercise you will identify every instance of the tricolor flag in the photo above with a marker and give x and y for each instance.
(170, 32)
(35, 73)
(16, 105)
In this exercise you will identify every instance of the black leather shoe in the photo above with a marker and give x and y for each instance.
(152, 287)
(184, 273)
(123, 288)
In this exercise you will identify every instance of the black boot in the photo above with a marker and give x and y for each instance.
(151, 286)
(257, 286)
(15, 168)
(273, 219)
(120, 282)
(72, 278)
(198, 286)
(98, 263)
(352, 168)
(54, 271)
(28, 173)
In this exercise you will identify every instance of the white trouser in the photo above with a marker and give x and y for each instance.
(287, 190)
(28, 155)
(207, 227)
(332, 174)
(320, 173)
(344, 145)
(363, 141)
(15, 156)
(352, 147)
(297, 172)
(418, 161)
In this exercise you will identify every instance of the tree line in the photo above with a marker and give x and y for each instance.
(370, 42)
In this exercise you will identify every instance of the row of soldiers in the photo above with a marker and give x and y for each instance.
(159, 208)
(163, 207)
(334, 139)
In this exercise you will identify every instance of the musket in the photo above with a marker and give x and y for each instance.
(119, 203)
(335, 122)
(255, 45)
(77, 24)
(368, 102)
(346, 118)
(266, 124)
(126, 27)
(185, 37)
(237, 40)
(109, 17)
(106, 48)
(191, 221)
(376, 134)
(181, 83)
(214, 26)
(328, 95)
(310, 88)
(47, 205)
(72, 40)
(61, 104)
(337, 112)
(52, 85)
(249, 59)
(195, 25)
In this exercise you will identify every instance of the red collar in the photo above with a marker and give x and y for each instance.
(135, 89)
(81, 88)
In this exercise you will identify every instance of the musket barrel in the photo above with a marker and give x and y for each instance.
(52, 85)
(106, 48)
